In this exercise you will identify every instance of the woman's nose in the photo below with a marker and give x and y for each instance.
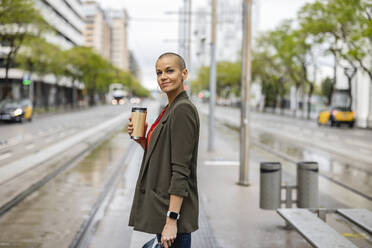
(163, 76)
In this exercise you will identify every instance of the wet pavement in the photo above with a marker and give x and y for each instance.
(233, 211)
(52, 216)
(347, 163)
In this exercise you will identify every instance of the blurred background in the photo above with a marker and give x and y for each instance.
(71, 70)
(307, 55)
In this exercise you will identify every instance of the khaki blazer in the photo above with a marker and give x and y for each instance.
(169, 167)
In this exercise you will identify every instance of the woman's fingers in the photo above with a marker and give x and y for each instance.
(130, 126)
(163, 242)
(167, 242)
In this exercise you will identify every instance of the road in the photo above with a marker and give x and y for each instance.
(20, 139)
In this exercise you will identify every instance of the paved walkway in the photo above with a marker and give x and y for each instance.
(232, 210)
(229, 214)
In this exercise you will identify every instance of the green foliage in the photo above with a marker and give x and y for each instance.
(22, 13)
(202, 81)
(78, 63)
(344, 26)
(283, 56)
(21, 30)
(97, 73)
(40, 57)
(20, 21)
(228, 79)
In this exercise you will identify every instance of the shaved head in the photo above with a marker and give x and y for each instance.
(180, 61)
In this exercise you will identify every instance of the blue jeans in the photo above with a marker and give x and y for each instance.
(183, 240)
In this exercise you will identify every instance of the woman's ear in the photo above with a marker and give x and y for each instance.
(184, 74)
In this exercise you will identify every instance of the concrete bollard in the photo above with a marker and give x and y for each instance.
(307, 185)
(270, 183)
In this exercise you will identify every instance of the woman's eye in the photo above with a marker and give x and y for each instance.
(158, 73)
(170, 71)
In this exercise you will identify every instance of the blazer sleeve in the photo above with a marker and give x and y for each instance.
(183, 127)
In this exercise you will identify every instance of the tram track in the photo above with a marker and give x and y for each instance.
(38, 140)
(69, 163)
(84, 235)
(114, 151)
(44, 132)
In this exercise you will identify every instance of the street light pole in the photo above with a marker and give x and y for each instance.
(246, 78)
(212, 78)
(188, 46)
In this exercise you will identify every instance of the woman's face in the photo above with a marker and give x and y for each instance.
(169, 74)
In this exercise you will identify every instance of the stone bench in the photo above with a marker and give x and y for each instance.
(318, 233)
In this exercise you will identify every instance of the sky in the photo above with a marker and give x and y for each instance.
(153, 26)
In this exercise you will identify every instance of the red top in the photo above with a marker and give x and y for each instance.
(154, 126)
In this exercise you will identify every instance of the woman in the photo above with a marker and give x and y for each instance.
(166, 196)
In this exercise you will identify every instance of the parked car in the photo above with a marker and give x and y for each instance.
(335, 116)
(11, 110)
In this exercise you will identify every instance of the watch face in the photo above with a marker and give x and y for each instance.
(173, 215)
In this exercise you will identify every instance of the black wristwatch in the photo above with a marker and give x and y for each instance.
(173, 215)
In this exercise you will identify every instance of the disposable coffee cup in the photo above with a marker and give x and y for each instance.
(138, 120)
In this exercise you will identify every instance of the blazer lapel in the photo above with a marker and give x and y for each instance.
(156, 133)
(153, 141)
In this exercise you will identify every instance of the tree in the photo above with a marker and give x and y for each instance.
(326, 89)
(302, 47)
(345, 28)
(91, 69)
(279, 59)
(20, 21)
(202, 81)
(42, 58)
(228, 78)
(357, 34)
(97, 73)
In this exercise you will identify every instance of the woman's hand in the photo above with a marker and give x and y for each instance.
(130, 131)
(169, 233)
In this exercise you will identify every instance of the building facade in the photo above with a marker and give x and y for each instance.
(97, 33)
(134, 67)
(118, 20)
(229, 31)
(106, 31)
(361, 90)
(67, 18)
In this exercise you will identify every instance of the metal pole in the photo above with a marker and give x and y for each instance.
(31, 92)
(212, 78)
(184, 16)
(246, 78)
(188, 57)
